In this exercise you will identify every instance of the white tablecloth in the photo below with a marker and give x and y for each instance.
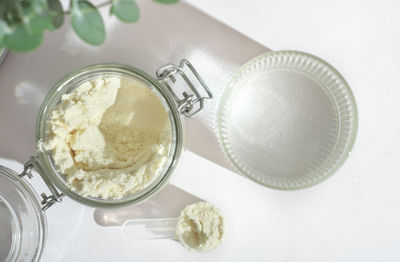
(353, 216)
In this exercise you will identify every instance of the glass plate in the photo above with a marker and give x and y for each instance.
(287, 120)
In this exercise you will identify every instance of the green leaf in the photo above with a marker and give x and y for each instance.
(37, 23)
(56, 13)
(37, 4)
(34, 15)
(21, 40)
(166, 1)
(3, 31)
(126, 10)
(3, 9)
(87, 22)
(11, 16)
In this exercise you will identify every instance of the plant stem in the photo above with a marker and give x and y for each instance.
(97, 7)
(104, 4)
(20, 12)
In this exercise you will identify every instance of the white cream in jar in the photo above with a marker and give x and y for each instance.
(110, 137)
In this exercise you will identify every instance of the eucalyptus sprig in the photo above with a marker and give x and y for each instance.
(22, 22)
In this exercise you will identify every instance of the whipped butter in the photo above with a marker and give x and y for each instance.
(109, 137)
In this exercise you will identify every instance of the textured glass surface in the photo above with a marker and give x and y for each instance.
(287, 120)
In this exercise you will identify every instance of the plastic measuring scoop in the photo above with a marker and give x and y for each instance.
(155, 228)
(200, 227)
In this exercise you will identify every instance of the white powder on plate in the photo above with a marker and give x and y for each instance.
(109, 137)
(200, 226)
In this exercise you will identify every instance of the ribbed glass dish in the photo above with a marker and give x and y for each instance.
(287, 120)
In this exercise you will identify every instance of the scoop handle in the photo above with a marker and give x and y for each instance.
(142, 229)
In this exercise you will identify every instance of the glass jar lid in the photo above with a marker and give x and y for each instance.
(287, 120)
(22, 222)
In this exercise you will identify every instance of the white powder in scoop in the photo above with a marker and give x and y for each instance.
(200, 226)
(109, 137)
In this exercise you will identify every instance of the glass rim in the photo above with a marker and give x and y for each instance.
(43, 158)
(275, 183)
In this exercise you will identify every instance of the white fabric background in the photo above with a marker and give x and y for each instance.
(353, 216)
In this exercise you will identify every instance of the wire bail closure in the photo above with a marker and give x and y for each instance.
(47, 200)
(188, 104)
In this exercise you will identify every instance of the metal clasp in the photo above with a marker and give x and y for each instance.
(188, 104)
(47, 201)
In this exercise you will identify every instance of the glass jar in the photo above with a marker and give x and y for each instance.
(3, 54)
(22, 210)
(22, 222)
